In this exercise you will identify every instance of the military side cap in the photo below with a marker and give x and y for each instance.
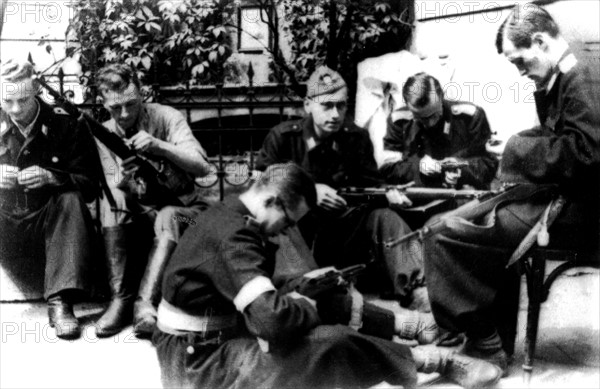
(324, 81)
(14, 70)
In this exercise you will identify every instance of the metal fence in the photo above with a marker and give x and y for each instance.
(230, 121)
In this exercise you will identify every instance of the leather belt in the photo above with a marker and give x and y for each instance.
(173, 320)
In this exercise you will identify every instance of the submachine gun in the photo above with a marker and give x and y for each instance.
(155, 184)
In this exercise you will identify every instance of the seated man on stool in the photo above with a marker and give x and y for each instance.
(46, 177)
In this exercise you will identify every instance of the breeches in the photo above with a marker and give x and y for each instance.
(60, 232)
(358, 236)
(169, 221)
(466, 265)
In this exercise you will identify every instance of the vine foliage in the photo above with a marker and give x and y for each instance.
(168, 41)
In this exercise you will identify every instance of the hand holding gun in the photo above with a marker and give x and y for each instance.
(319, 281)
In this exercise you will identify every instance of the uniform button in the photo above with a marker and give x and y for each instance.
(55, 159)
(190, 350)
(295, 127)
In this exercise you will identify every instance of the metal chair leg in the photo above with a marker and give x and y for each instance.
(535, 289)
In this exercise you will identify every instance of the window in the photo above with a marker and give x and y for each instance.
(254, 35)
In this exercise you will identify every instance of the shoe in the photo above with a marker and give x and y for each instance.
(62, 318)
(497, 356)
(417, 325)
(144, 309)
(470, 372)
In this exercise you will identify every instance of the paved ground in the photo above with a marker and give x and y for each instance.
(32, 357)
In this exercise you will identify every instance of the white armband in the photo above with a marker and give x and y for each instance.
(251, 290)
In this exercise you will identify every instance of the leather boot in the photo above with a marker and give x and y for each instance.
(144, 311)
(62, 318)
(124, 278)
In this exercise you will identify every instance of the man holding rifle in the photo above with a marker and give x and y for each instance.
(560, 157)
(441, 143)
(161, 134)
(47, 174)
(336, 154)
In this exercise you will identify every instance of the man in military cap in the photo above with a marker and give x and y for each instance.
(434, 136)
(337, 153)
(559, 157)
(46, 175)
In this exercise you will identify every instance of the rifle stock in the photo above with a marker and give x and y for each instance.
(162, 188)
(469, 211)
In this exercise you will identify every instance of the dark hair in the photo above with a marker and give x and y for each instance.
(116, 77)
(420, 89)
(524, 21)
(293, 182)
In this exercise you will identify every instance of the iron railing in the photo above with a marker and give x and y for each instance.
(230, 121)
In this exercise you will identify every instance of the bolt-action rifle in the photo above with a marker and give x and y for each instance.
(369, 194)
(156, 183)
(470, 211)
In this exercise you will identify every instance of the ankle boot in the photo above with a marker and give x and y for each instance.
(144, 310)
(419, 326)
(62, 318)
(466, 371)
(123, 280)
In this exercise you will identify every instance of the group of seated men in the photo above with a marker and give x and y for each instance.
(209, 292)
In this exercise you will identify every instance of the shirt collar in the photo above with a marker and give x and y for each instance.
(312, 141)
(25, 131)
(566, 62)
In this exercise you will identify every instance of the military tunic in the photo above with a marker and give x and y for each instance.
(564, 150)
(462, 134)
(356, 235)
(223, 267)
(51, 222)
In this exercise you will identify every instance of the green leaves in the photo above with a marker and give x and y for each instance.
(179, 41)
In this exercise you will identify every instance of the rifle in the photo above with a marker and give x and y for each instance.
(154, 186)
(369, 194)
(469, 211)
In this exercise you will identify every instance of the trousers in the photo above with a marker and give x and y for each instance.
(59, 232)
(466, 265)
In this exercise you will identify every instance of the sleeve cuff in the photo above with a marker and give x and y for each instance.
(251, 290)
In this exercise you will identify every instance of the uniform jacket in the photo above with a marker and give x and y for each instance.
(462, 134)
(224, 265)
(565, 148)
(346, 159)
(57, 142)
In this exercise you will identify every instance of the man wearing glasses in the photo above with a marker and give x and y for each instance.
(337, 153)
(223, 323)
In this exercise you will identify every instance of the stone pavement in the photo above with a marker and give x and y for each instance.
(32, 357)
